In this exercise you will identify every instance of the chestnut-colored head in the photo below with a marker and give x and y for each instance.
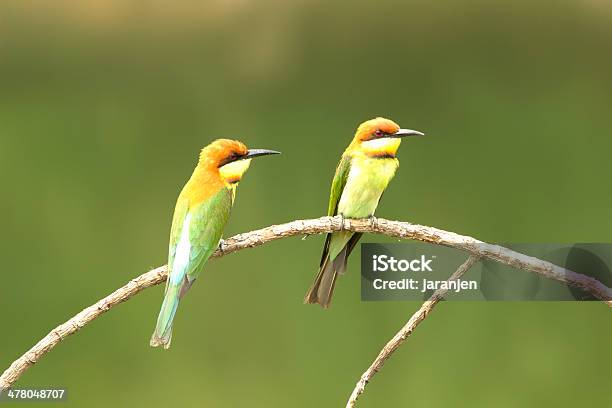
(376, 128)
(380, 137)
(230, 158)
(222, 151)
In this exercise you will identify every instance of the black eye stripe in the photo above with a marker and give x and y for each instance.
(233, 156)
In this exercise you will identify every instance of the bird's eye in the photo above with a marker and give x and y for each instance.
(379, 133)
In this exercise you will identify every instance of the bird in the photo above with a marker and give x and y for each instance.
(201, 212)
(366, 167)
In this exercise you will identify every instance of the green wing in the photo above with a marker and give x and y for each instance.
(342, 172)
(207, 223)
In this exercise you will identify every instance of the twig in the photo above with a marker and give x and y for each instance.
(406, 331)
(314, 226)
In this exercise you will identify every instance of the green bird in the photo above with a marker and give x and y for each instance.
(367, 166)
(201, 212)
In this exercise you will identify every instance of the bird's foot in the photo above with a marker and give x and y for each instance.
(342, 222)
(373, 221)
(222, 246)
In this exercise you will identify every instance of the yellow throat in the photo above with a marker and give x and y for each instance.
(383, 147)
(232, 173)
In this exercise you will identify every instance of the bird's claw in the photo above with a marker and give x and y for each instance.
(342, 223)
(221, 245)
(373, 221)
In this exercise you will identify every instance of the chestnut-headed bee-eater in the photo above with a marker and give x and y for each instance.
(201, 211)
(365, 169)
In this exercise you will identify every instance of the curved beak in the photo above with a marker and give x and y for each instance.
(407, 132)
(258, 152)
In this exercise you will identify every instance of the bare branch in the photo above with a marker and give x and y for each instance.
(314, 226)
(31, 357)
(406, 331)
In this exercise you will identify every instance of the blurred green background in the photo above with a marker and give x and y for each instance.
(104, 106)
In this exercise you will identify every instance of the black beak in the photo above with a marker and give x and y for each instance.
(258, 152)
(407, 132)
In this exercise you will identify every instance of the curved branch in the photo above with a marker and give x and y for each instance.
(321, 225)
